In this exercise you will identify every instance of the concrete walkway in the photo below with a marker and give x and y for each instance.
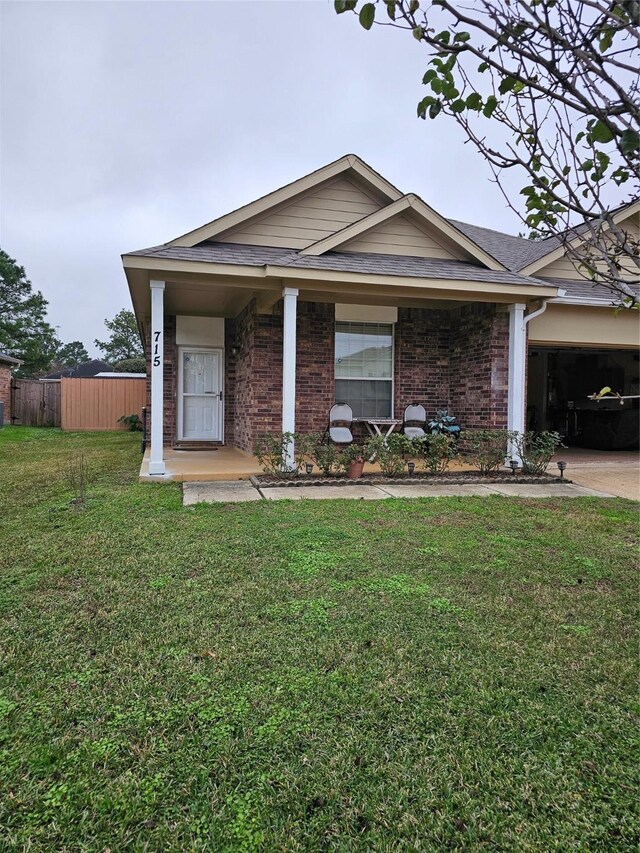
(242, 490)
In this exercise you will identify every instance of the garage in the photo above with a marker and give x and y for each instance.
(560, 380)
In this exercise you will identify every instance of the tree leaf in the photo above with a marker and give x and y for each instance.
(462, 37)
(629, 141)
(474, 101)
(367, 15)
(434, 109)
(507, 85)
(417, 33)
(600, 132)
(489, 107)
(424, 104)
(458, 106)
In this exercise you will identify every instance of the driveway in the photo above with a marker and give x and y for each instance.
(615, 472)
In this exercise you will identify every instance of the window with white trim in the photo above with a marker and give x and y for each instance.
(364, 368)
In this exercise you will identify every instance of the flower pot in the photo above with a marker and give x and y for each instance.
(354, 471)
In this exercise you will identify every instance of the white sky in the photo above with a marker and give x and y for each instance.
(125, 124)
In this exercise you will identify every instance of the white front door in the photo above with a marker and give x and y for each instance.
(200, 395)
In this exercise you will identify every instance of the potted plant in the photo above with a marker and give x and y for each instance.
(352, 461)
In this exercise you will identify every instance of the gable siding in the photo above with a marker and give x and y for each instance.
(311, 217)
(399, 236)
(563, 268)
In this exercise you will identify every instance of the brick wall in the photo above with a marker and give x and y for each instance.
(421, 359)
(5, 391)
(315, 390)
(478, 366)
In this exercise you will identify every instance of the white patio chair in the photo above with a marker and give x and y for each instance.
(414, 421)
(340, 415)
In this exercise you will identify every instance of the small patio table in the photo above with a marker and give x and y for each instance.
(379, 426)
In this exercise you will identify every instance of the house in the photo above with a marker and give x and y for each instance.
(7, 364)
(340, 287)
(86, 370)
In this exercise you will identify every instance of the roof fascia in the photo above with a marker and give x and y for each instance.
(407, 202)
(536, 291)
(255, 208)
(559, 252)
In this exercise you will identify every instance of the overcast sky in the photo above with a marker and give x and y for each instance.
(125, 124)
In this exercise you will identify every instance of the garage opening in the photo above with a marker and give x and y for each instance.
(560, 380)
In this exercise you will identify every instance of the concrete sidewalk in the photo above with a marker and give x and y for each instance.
(242, 490)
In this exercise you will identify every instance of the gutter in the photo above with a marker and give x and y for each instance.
(533, 314)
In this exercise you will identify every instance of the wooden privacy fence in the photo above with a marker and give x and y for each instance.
(35, 403)
(96, 404)
(76, 404)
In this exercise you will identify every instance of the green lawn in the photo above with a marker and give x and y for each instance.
(451, 674)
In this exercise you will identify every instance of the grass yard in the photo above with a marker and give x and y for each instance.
(419, 675)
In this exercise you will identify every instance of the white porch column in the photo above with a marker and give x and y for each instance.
(516, 380)
(290, 295)
(156, 457)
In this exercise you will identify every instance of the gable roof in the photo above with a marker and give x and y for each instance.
(9, 359)
(349, 163)
(423, 212)
(514, 252)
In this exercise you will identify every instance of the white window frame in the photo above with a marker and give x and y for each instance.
(392, 380)
(180, 402)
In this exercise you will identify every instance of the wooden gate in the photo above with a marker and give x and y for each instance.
(35, 403)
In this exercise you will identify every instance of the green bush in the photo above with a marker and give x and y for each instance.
(536, 450)
(390, 452)
(270, 449)
(132, 422)
(435, 451)
(326, 456)
(486, 449)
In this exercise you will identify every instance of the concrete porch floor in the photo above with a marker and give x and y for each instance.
(614, 472)
(182, 466)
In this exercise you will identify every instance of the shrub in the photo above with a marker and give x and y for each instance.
(325, 456)
(486, 449)
(536, 450)
(131, 365)
(443, 422)
(389, 452)
(132, 422)
(435, 451)
(270, 449)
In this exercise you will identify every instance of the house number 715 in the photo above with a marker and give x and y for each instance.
(156, 349)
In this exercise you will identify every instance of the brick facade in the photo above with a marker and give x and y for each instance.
(5, 391)
(454, 359)
(478, 366)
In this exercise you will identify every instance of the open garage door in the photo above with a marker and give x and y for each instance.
(560, 380)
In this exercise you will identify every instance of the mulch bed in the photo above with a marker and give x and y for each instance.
(449, 478)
